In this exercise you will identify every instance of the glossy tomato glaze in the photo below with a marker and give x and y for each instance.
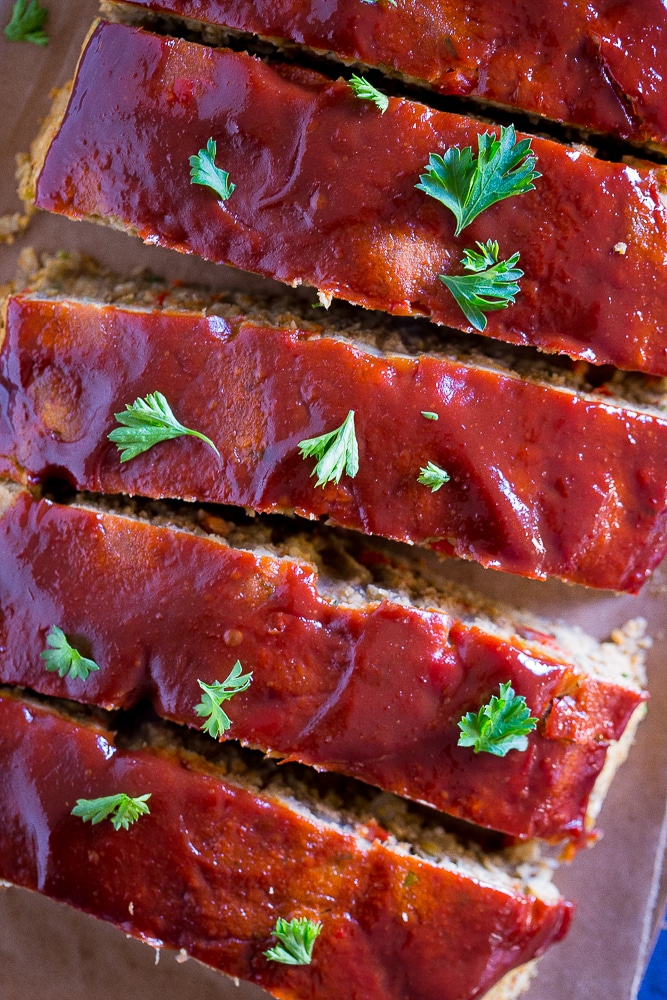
(214, 865)
(158, 609)
(543, 483)
(325, 195)
(601, 65)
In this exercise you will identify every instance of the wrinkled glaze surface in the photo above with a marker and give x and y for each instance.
(325, 195)
(543, 483)
(214, 865)
(158, 609)
(600, 65)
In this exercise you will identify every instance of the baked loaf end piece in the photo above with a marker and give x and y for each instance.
(547, 475)
(598, 65)
(358, 664)
(407, 912)
(326, 195)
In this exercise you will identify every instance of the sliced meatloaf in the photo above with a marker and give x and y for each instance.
(358, 664)
(226, 848)
(325, 195)
(597, 64)
(548, 476)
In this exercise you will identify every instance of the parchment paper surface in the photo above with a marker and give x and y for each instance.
(51, 953)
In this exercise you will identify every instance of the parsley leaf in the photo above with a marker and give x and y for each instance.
(147, 422)
(120, 809)
(503, 168)
(500, 726)
(337, 452)
(430, 415)
(492, 286)
(218, 721)
(365, 91)
(205, 172)
(65, 659)
(27, 22)
(297, 938)
(432, 475)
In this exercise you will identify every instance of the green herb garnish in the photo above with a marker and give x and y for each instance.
(65, 659)
(365, 91)
(218, 722)
(337, 452)
(205, 172)
(432, 475)
(27, 22)
(500, 726)
(147, 422)
(120, 809)
(491, 286)
(468, 186)
(430, 415)
(297, 938)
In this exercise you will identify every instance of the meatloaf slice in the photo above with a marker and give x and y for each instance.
(595, 64)
(359, 665)
(547, 477)
(229, 846)
(325, 195)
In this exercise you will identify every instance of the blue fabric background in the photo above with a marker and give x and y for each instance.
(654, 986)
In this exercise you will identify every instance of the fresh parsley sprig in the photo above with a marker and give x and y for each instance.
(365, 91)
(432, 475)
(121, 809)
(500, 726)
(467, 186)
(337, 452)
(64, 658)
(27, 22)
(297, 939)
(205, 172)
(492, 285)
(210, 707)
(147, 422)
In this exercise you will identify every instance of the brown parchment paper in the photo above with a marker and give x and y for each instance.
(51, 953)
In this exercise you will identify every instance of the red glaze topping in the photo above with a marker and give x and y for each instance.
(214, 865)
(158, 609)
(543, 483)
(325, 195)
(601, 65)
